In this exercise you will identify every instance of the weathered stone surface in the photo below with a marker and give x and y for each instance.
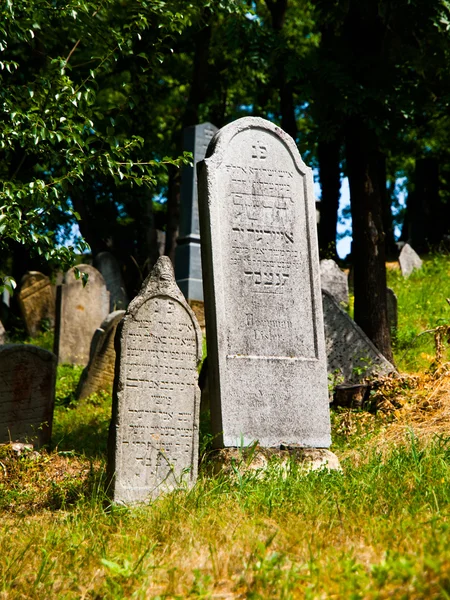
(264, 326)
(350, 353)
(237, 461)
(3, 335)
(37, 302)
(188, 264)
(334, 281)
(153, 442)
(27, 394)
(392, 309)
(79, 312)
(409, 260)
(99, 373)
(108, 266)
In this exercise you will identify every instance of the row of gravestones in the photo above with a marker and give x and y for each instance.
(266, 349)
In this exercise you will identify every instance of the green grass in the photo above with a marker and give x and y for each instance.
(380, 529)
(422, 306)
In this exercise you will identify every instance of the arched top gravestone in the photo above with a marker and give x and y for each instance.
(27, 394)
(153, 441)
(37, 302)
(80, 310)
(263, 306)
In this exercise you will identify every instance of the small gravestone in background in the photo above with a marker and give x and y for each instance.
(99, 374)
(188, 265)
(27, 394)
(392, 310)
(264, 324)
(409, 260)
(3, 336)
(350, 353)
(108, 266)
(37, 302)
(80, 310)
(334, 281)
(153, 438)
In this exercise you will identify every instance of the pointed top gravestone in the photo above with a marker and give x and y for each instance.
(188, 265)
(409, 260)
(37, 302)
(80, 310)
(264, 323)
(333, 280)
(153, 439)
(108, 266)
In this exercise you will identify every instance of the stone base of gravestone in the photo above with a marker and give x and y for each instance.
(238, 461)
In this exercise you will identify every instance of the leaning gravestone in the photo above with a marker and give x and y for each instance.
(153, 438)
(188, 265)
(99, 374)
(409, 260)
(264, 324)
(80, 310)
(27, 394)
(108, 266)
(37, 302)
(350, 353)
(334, 281)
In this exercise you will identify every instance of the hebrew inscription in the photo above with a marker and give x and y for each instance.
(156, 442)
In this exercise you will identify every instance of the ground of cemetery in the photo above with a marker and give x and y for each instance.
(379, 528)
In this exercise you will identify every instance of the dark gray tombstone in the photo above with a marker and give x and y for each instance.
(188, 265)
(264, 324)
(37, 302)
(392, 310)
(27, 394)
(108, 266)
(153, 438)
(350, 353)
(99, 373)
(80, 310)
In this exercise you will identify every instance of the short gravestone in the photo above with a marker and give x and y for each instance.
(80, 310)
(108, 266)
(409, 260)
(392, 309)
(27, 394)
(37, 302)
(264, 324)
(188, 265)
(351, 356)
(99, 373)
(153, 438)
(334, 281)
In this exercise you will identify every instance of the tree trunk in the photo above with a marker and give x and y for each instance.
(368, 249)
(330, 183)
(388, 227)
(424, 210)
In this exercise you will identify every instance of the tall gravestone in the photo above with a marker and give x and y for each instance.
(99, 373)
(333, 280)
(37, 302)
(27, 394)
(409, 260)
(108, 266)
(264, 323)
(188, 265)
(80, 310)
(153, 438)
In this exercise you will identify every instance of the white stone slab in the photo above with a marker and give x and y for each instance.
(409, 260)
(264, 323)
(153, 442)
(333, 280)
